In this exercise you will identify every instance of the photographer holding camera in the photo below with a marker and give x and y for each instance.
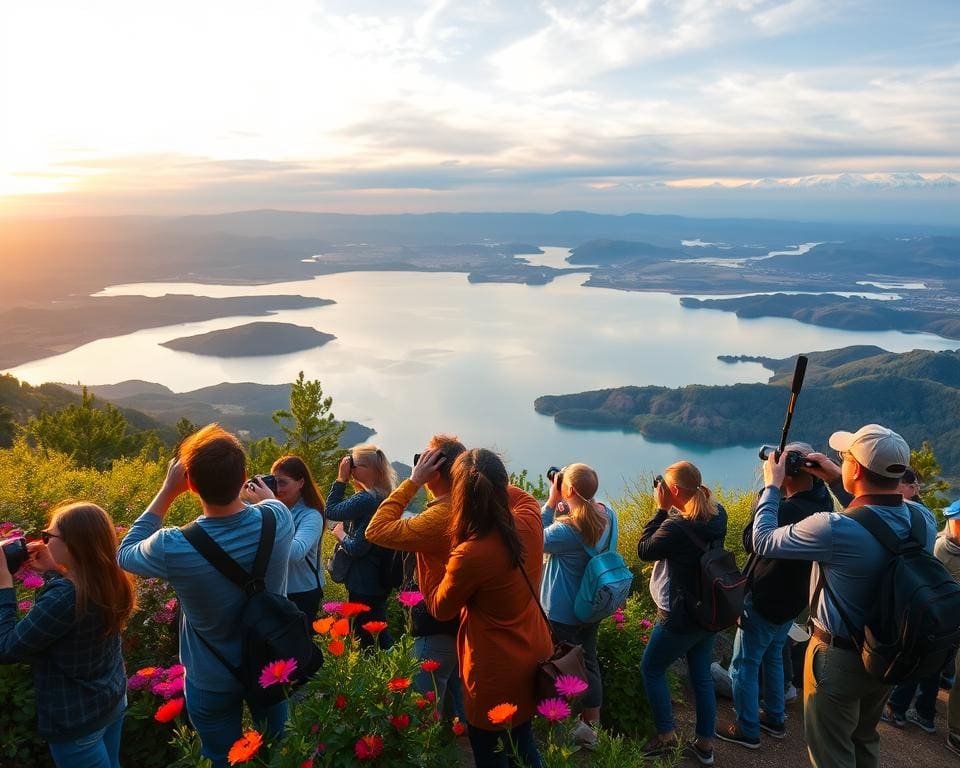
(776, 593)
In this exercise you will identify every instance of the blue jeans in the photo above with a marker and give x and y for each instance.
(758, 642)
(491, 749)
(100, 749)
(664, 648)
(443, 649)
(926, 690)
(217, 717)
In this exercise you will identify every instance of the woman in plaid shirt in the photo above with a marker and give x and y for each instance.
(71, 636)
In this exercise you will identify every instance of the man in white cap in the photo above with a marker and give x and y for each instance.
(842, 708)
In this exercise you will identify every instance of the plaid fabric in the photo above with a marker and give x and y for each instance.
(78, 673)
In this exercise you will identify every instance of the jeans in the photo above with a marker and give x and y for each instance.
(491, 749)
(377, 612)
(758, 642)
(926, 690)
(309, 603)
(100, 749)
(585, 635)
(217, 717)
(666, 646)
(443, 649)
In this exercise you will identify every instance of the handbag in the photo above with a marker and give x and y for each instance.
(338, 566)
(566, 659)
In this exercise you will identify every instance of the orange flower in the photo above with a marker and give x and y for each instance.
(336, 647)
(399, 684)
(375, 627)
(340, 628)
(169, 710)
(502, 713)
(430, 665)
(322, 626)
(352, 609)
(245, 748)
(147, 671)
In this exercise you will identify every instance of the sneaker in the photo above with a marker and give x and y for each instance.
(791, 693)
(655, 747)
(894, 718)
(721, 680)
(953, 743)
(777, 730)
(584, 736)
(731, 732)
(703, 756)
(914, 717)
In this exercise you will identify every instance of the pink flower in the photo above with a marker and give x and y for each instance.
(570, 686)
(32, 580)
(138, 682)
(278, 671)
(645, 624)
(25, 605)
(168, 688)
(171, 604)
(410, 599)
(177, 670)
(332, 607)
(554, 710)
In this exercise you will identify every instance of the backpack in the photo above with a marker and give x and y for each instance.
(913, 624)
(391, 568)
(720, 585)
(605, 583)
(271, 626)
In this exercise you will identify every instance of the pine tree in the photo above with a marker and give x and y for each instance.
(933, 488)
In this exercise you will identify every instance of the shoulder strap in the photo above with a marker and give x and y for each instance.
(536, 599)
(869, 519)
(611, 541)
(213, 553)
(700, 543)
(268, 533)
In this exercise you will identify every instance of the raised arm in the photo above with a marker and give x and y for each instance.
(52, 617)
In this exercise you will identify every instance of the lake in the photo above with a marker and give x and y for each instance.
(418, 353)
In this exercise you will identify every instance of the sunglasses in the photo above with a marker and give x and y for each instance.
(45, 536)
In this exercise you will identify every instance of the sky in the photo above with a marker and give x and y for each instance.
(793, 108)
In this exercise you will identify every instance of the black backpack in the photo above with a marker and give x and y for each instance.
(271, 626)
(720, 585)
(913, 625)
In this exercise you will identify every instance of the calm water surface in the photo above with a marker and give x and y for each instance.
(417, 353)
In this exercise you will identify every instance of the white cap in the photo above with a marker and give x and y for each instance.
(877, 448)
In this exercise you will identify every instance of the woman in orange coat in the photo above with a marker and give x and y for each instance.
(497, 548)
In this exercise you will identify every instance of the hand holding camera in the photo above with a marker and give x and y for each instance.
(345, 468)
(661, 493)
(555, 476)
(426, 465)
(40, 558)
(259, 488)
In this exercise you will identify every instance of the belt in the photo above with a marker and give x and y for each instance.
(844, 643)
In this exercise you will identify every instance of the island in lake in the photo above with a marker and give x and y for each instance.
(252, 340)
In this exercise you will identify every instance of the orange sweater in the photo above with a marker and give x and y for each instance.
(502, 634)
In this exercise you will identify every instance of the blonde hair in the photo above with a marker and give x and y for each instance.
(385, 479)
(583, 513)
(685, 475)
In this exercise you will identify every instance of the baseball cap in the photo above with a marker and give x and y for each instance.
(953, 510)
(877, 448)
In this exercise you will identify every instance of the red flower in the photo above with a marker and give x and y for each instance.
(336, 647)
(278, 671)
(502, 713)
(430, 665)
(245, 748)
(430, 696)
(400, 721)
(169, 710)
(352, 609)
(340, 702)
(374, 627)
(322, 626)
(399, 684)
(458, 728)
(340, 628)
(368, 747)
(421, 703)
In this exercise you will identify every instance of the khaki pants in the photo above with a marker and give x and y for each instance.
(841, 708)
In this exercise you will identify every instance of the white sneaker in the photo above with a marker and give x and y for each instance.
(583, 735)
(791, 693)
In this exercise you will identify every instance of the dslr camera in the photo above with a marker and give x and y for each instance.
(553, 473)
(268, 480)
(15, 551)
(793, 463)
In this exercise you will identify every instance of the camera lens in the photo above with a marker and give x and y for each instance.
(15, 553)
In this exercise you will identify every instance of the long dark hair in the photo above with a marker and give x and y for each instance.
(295, 467)
(90, 536)
(479, 501)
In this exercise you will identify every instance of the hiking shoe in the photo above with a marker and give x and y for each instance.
(927, 724)
(731, 732)
(777, 730)
(791, 693)
(584, 736)
(693, 750)
(656, 748)
(894, 718)
(721, 681)
(953, 743)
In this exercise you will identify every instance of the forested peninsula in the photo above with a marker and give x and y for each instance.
(916, 393)
(252, 340)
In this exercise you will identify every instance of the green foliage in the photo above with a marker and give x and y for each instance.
(7, 427)
(933, 488)
(539, 490)
(184, 428)
(19, 743)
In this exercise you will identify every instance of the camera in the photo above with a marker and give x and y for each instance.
(15, 551)
(416, 457)
(793, 463)
(268, 480)
(553, 473)
(657, 481)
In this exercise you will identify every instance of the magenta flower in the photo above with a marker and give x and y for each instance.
(410, 599)
(570, 686)
(25, 605)
(554, 710)
(278, 671)
(32, 580)
(138, 682)
(168, 688)
(332, 607)
(645, 624)
(177, 670)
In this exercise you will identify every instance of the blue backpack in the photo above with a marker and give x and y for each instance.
(605, 583)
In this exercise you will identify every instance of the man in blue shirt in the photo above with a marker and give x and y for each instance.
(842, 707)
(212, 464)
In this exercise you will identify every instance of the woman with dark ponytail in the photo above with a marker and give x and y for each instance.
(686, 514)
(497, 555)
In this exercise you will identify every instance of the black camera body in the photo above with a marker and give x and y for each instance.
(794, 462)
(15, 551)
(416, 458)
(553, 473)
(657, 481)
(268, 480)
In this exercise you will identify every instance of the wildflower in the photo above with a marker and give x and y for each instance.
(137, 682)
(168, 710)
(458, 728)
(368, 747)
(399, 684)
(278, 671)
(375, 627)
(554, 709)
(420, 702)
(25, 605)
(32, 580)
(322, 626)
(171, 604)
(315, 728)
(430, 696)
(352, 609)
(502, 713)
(336, 647)
(340, 628)
(332, 607)
(148, 671)
(410, 598)
(340, 702)
(400, 721)
(308, 763)
(430, 665)
(570, 686)
(245, 748)
(168, 688)
(177, 670)
(645, 624)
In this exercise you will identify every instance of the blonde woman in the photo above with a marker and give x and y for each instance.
(686, 512)
(358, 564)
(574, 520)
